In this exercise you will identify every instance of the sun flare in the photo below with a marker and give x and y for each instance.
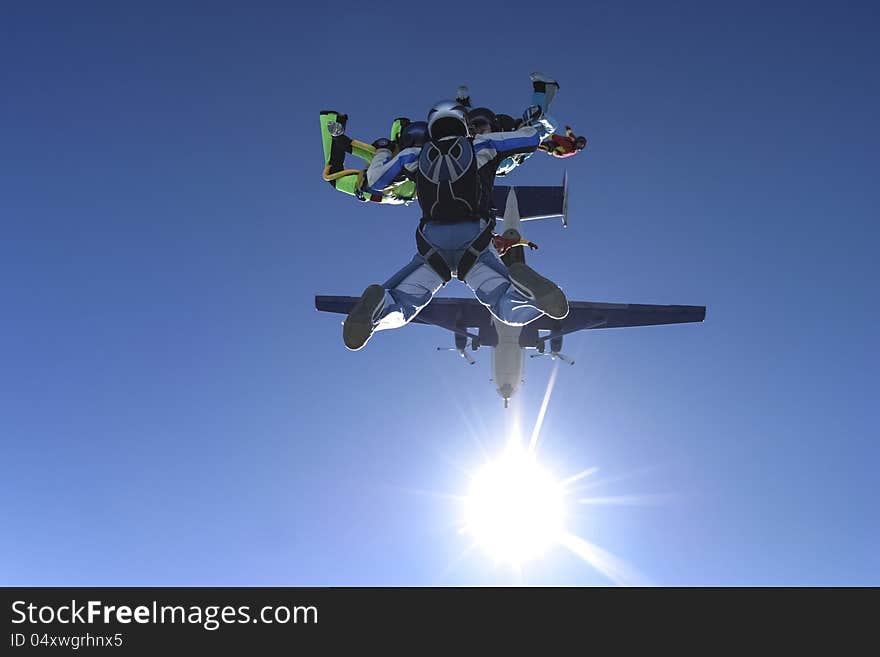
(514, 509)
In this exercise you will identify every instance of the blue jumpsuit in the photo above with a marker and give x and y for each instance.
(413, 287)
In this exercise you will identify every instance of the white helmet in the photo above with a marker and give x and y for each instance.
(448, 118)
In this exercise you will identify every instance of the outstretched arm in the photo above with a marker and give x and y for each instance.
(385, 166)
(504, 144)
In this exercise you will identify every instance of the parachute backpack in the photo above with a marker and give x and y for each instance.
(447, 180)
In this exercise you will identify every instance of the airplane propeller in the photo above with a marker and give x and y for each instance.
(553, 355)
(461, 352)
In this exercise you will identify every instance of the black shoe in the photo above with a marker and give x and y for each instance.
(537, 76)
(359, 325)
(544, 293)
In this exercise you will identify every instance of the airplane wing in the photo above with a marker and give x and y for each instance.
(536, 202)
(584, 315)
(342, 305)
(456, 315)
(448, 313)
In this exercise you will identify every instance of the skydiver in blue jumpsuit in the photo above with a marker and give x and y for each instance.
(454, 172)
(483, 120)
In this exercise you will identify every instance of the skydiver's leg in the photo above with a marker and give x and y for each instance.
(349, 184)
(492, 286)
(413, 287)
(362, 151)
(336, 147)
(327, 118)
(544, 89)
(516, 296)
(407, 292)
(397, 126)
(391, 305)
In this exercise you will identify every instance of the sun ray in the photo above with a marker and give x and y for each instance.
(516, 511)
(612, 567)
(590, 485)
(536, 432)
(628, 500)
(469, 427)
(514, 430)
(577, 477)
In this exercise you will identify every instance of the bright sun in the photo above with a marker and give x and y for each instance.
(514, 509)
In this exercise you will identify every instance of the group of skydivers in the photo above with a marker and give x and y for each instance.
(448, 164)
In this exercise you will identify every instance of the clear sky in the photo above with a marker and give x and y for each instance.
(174, 412)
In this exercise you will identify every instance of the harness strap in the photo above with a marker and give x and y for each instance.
(468, 260)
(432, 257)
(362, 150)
(329, 175)
(480, 244)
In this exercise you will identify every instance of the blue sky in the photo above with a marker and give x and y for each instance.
(174, 412)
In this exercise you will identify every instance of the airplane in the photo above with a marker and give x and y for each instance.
(469, 320)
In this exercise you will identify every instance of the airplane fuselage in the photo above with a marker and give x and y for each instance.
(507, 356)
(507, 360)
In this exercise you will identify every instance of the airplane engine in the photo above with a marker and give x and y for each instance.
(528, 336)
(555, 349)
(460, 347)
(488, 335)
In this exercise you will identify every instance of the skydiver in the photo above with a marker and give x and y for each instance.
(483, 120)
(564, 145)
(337, 144)
(405, 134)
(453, 173)
(544, 89)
